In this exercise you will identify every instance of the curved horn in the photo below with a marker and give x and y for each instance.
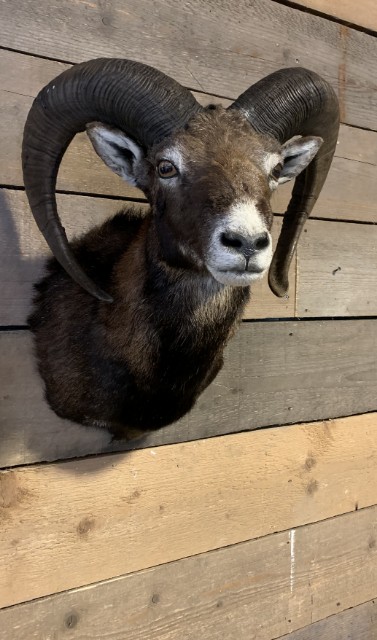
(287, 103)
(143, 102)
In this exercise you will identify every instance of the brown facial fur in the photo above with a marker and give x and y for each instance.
(224, 163)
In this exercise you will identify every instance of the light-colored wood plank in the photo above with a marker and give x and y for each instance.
(23, 251)
(354, 166)
(69, 526)
(188, 41)
(363, 14)
(274, 373)
(357, 623)
(337, 270)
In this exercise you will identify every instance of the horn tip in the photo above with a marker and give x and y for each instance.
(279, 285)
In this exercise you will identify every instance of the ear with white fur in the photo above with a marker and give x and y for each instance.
(121, 154)
(297, 153)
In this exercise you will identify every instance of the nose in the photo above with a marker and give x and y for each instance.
(247, 245)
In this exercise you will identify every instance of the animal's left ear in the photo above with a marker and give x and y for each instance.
(121, 154)
(296, 155)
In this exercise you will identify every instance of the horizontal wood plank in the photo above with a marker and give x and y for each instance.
(23, 251)
(337, 270)
(65, 525)
(274, 373)
(188, 41)
(357, 623)
(354, 166)
(363, 14)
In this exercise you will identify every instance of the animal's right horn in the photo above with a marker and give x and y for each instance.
(143, 102)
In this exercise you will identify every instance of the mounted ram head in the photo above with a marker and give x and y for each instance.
(179, 277)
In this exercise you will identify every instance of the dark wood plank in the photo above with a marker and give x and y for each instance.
(258, 589)
(357, 623)
(189, 41)
(275, 373)
(350, 192)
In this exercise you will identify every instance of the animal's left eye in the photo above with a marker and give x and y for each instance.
(166, 169)
(276, 171)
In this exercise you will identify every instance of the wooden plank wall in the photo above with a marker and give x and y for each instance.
(215, 527)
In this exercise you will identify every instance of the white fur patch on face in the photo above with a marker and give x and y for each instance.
(175, 156)
(271, 160)
(227, 264)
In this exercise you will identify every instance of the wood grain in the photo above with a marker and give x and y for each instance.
(349, 193)
(337, 270)
(188, 41)
(363, 14)
(274, 373)
(23, 252)
(61, 521)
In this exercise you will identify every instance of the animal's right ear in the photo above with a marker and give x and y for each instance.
(121, 154)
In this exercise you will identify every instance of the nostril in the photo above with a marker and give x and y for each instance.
(245, 244)
(261, 241)
(231, 239)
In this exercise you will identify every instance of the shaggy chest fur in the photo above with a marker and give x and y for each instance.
(95, 372)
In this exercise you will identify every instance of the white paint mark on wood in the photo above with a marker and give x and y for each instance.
(292, 540)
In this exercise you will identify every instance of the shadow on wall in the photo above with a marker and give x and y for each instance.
(20, 265)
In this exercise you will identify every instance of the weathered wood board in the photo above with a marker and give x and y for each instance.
(354, 166)
(274, 373)
(363, 13)
(259, 589)
(188, 41)
(337, 270)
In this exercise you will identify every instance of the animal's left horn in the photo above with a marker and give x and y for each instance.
(143, 102)
(287, 103)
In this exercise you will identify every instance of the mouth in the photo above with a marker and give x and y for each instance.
(236, 278)
(237, 272)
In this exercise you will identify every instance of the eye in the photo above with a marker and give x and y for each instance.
(276, 171)
(166, 169)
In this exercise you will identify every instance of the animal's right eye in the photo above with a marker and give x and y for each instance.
(166, 169)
